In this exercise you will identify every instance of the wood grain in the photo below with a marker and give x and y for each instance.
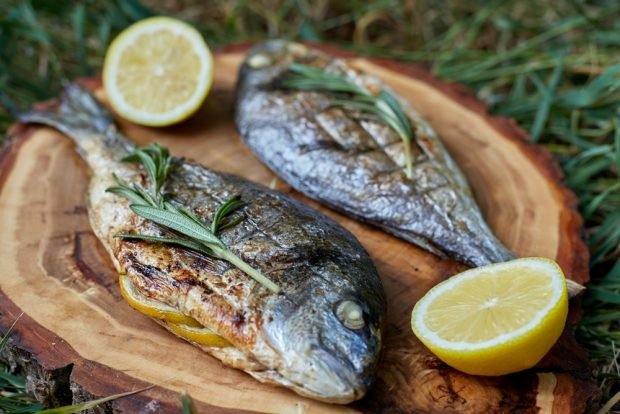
(77, 330)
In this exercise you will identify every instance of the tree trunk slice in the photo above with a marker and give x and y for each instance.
(78, 339)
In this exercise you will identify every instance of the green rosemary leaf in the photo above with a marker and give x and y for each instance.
(383, 105)
(362, 106)
(230, 223)
(155, 207)
(387, 97)
(309, 78)
(225, 209)
(156, 161)
(148, 198)
(316, 84)
(180, 210)
(168, 240)
(128, 193)
(309, 72)
(163, 162)
(149, 164)
(177, 222)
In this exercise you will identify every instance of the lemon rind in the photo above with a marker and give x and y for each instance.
(156, 309)
(558, 284)
(201, 336)
(111, 66)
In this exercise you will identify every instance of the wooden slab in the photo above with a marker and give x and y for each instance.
(76, 329)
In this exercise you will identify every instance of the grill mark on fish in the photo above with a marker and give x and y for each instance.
(344, 130)
(354, 163)
(283, 339)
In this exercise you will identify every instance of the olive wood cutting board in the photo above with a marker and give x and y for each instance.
(78, 339)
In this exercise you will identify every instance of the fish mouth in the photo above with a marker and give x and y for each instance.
(329, 386)
(330, 380)
(324, 372)
(336, 378)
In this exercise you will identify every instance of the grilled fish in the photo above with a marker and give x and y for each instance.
(299, 338)
(355, 164)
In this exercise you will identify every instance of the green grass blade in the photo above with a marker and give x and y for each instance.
(135, 10)
(9, 332)
(603, 295)
(69, 409)
(617, 144)
(460, 72)
(598, 200)
(601, 317)
(547, 99)
(186, 403)
(16, 381)
(78, 20)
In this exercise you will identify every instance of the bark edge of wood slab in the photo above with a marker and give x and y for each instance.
(78, 340)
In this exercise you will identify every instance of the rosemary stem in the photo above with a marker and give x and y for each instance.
(230, 257)
(408, 159)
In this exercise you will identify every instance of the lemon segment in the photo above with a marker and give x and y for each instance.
(158, 71)
(496, 319)
(199, 335)
(151, 307)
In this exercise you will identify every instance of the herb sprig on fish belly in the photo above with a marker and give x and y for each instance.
(383, 105)
(155, 207)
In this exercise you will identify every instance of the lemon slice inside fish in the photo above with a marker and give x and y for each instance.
(151, 307)
(158, 71)
(199, 335)
(496, 319)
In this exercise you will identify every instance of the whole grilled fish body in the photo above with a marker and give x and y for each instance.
(295, 338)
(354, 163)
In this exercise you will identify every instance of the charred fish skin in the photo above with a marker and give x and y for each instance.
(298, 338)
(355, 164)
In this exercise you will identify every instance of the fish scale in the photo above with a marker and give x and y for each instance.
(296, 338)
(354, 163)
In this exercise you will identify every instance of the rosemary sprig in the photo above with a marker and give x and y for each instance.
(155, 207)
(156, 161)
(383, 105)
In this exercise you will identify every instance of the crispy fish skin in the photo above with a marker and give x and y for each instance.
(295, 338)
(355, 164)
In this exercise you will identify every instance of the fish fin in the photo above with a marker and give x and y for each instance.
(79, 111)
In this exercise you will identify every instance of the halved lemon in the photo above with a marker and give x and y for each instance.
(496, 319)
(151, 307)
(158, 71)
(200, 335)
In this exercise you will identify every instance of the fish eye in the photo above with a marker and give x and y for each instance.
(350, 314)
(260, 61)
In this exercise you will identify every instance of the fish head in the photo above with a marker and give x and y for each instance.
(274, 54)
(268, 61)
(328, 338)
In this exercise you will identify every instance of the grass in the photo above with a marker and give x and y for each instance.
(550, 65)
(13, 395)
(15, 399)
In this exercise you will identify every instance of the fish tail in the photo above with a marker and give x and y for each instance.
(82, 118)
(79, 110)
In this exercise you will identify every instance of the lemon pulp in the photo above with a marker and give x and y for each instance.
(158, 71)
(494, 319)
(182, 325)
(151, 307)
